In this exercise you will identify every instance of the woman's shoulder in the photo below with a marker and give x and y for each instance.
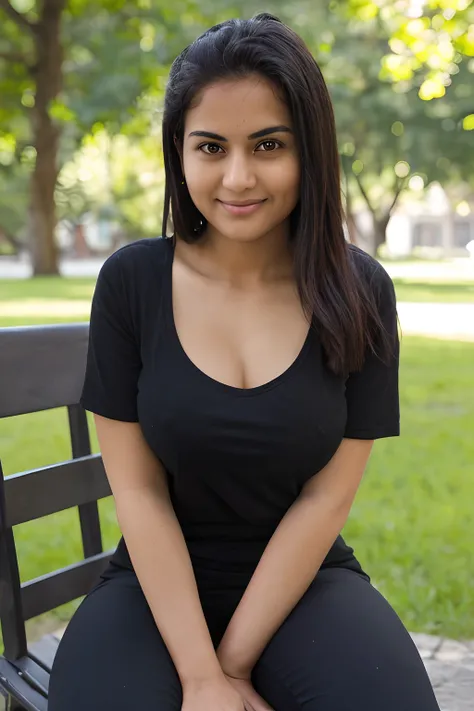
(370, 270)
(148, 252)
(135, 264)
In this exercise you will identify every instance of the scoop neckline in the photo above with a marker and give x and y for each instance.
(218, 384)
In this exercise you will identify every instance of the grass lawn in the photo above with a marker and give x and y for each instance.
(411, 524)
(459, 292)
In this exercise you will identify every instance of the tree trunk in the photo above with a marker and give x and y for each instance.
(379, 235)
(380, 221)
(48, 75)
(350, 219)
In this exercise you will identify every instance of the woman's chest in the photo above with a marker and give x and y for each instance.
(242, 337)
(294, 422)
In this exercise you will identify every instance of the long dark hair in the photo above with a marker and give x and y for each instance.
(332, 293)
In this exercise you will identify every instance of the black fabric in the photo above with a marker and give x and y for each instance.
(342, 648)
(236, 459)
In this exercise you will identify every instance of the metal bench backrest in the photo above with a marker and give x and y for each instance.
(42, 367)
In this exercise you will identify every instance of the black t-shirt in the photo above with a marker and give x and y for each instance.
(236, 459)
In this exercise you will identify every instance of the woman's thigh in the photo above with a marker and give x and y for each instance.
(343, 648)
(112, 655)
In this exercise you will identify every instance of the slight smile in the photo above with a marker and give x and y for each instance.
(246, 207)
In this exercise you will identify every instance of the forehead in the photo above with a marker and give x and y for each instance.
(236, 106)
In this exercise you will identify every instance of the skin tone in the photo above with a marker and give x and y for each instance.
(235, 303)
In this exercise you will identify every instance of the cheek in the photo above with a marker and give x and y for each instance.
(284, 179)
(201, 187)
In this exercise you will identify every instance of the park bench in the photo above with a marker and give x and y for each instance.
(42, 367)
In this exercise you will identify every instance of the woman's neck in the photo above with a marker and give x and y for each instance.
(241, 263)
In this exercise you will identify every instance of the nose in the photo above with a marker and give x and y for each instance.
(239, 174)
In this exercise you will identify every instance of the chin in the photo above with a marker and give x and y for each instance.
(241, 232)
(242, 236)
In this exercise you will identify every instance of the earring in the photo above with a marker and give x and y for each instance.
(183, 182)
(199, 229)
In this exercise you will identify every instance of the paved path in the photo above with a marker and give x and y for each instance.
(451, 321)
(450, 270)
(21, 268)
(450, 666)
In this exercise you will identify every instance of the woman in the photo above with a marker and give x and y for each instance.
(239, 373)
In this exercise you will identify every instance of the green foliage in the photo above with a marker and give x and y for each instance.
(376, 59)
(430, 38)
(386, 132)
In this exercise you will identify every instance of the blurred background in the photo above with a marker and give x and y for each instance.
(81, 173)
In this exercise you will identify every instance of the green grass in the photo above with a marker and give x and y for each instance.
(46, 288)
(411, 524)
(44, 300)
(455, 292)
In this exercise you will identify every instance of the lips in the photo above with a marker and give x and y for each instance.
(245, 203)
(242, 208)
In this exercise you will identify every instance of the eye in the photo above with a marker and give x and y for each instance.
(270, 145)
(210, 146)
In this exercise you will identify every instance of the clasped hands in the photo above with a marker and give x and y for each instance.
(240, 679)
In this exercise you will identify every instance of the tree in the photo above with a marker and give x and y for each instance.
(65, 66)
(70, 69)
(386, 131)
(37, 59)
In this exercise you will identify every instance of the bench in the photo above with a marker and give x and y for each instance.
(42, 367)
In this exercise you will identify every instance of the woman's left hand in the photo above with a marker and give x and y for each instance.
(252, 700)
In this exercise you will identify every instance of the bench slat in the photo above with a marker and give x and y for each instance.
(44, 650)
(48, 367)
(49, 591)
(88, 513)
(35, 675)
(41, 492)
(21, 690)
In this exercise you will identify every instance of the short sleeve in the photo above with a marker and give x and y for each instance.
(113, 357)
(372, 398)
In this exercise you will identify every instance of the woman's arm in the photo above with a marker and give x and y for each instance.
(293, 557)
(157, 548)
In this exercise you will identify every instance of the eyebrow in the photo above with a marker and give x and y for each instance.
(258, 134)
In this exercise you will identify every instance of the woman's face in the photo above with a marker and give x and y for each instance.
(240, 159)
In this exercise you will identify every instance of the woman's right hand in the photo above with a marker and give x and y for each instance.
(211, 695)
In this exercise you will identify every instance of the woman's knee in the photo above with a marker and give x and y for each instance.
(112, 656)
(343, 646)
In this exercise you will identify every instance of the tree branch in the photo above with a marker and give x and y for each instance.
(364, 194)
(17, 17)
(16, 57)
(398, 190)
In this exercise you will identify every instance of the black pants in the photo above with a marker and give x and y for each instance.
(342, 648)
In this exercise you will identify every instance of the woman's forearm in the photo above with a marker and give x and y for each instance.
(293, 556)
(285, 571)
(161, 561)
